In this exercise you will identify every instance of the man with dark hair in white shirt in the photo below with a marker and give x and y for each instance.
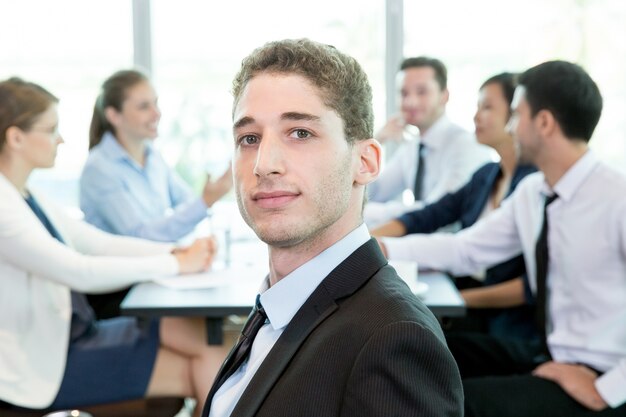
(440, 160)
(575, 256)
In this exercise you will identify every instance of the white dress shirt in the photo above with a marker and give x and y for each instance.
(586, 269)
(451, 156)
(281, 303)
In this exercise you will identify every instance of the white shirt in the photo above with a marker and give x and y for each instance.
(281, 303)
(586, 268)
(451, 156)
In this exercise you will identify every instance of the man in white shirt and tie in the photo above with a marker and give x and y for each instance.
(580, 295)
(437, 161)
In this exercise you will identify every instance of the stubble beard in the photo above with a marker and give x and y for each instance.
(285, 229)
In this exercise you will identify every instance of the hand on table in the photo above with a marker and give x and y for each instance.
(576, 380)
(197, 257)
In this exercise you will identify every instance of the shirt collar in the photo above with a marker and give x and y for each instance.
(283, 300)
(571, 181)
(112, 148)
(433, 137)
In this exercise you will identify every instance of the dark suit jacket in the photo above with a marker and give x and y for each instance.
(466, 205)
(361, 345)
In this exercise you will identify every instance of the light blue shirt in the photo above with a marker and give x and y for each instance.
(120, 196)
(281, 303)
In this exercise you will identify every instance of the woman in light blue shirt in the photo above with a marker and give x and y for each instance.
(126, 187)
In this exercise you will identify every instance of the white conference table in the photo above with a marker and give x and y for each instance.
(240, 248)
(152, 300)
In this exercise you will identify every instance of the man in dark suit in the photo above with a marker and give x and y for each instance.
(335, 331)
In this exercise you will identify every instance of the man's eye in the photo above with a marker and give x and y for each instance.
(248, 140)
(302, 134)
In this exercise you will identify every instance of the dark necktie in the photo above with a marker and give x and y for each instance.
(541, 258)
(242, 349)
(419, 174)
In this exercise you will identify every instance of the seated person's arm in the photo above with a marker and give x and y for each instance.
(120, 208)
(505, 294)
(446, 211)
(489, 241)
(393, 228)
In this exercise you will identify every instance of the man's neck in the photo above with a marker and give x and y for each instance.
(556, 163)
(284, 260)
(425, 127)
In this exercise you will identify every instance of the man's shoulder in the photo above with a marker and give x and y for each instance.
(388, 299)
(610, 175)
(455, 131)
(607, 183)
(531, 183)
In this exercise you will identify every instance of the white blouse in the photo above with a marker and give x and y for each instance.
(36, 275)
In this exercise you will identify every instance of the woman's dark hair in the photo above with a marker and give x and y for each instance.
(113, 94)
(507, 81)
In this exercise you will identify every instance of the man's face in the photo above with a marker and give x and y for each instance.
(293, 168)
(422, 100)
(522, 127)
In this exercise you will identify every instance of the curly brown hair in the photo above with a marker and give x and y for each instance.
(343, 84)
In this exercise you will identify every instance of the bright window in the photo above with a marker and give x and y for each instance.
(198, 48)
(69, 47)
(480, 38)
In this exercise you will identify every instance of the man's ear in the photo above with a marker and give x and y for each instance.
(369, 154)
(546, 123)
(445, 96)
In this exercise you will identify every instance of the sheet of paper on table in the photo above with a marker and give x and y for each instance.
(407, 270)
(215, 277)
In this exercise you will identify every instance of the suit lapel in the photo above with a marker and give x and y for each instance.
(344, 280)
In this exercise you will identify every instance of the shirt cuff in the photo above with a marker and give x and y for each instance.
(396, 248)
(611, 386)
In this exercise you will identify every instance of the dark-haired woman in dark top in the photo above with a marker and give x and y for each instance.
(502, 312)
